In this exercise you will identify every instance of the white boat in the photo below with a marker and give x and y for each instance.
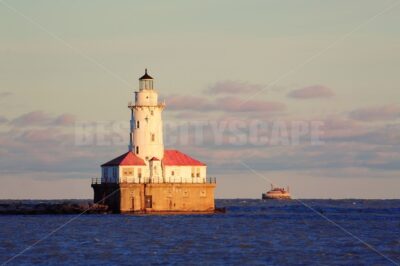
(277, 193)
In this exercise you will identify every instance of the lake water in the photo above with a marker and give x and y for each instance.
(251, 232)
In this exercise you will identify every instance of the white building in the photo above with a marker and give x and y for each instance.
(147, 161)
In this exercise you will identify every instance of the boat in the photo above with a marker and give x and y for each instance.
(277, 193)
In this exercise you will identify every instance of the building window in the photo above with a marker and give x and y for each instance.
(152, 112)
(153, 137)
(137, 124)
(172, 173)
(105, 172)
(128, 172)
(139, 172)
(198, 172)
(114, 171)
(137, 149)
(192, 171)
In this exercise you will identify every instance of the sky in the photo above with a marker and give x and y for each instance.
(319, 80)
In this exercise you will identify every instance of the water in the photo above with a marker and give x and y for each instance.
(251, 232)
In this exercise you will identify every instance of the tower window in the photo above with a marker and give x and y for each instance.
(137, 124)
(153, 137)
(152, 112)
(137, 149)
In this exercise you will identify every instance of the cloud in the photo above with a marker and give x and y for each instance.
(3, 120)
(49, 149)
(385, 135)
(376, 113)
(224, 104)
(5, 94)
(37, 142)
(39, 118)
(31, 118)
(184, 102)
(233, 104)
(340, 128)
(64, 120)
(311, 92)
(43, 135)
(233, 87)
(346, 144)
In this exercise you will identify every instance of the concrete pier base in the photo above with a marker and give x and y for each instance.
(151, 198)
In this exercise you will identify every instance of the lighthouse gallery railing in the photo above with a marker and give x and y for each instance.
(208, 180)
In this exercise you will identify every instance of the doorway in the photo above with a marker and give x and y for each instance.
(132, 203)
(149, 201)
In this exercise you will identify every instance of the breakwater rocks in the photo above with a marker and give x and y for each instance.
(51, 207)
(28, 207)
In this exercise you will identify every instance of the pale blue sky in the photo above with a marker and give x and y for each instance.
(83, 58)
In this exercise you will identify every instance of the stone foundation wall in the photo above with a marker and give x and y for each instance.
(165, 197)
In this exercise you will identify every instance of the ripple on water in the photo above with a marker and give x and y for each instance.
(251, 232)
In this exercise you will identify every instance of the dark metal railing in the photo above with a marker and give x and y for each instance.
(208, 180)
(96, 181)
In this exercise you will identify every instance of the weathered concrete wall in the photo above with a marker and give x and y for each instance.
(132, 197)
(181, 197)
(167, 197)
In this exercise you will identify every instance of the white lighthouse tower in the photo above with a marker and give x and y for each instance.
(146, 134)
(147, 177)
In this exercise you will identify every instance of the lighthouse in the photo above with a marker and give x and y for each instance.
(146, 127)
(149, 178)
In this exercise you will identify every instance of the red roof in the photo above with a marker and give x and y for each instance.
(128, 158)
(175, 157)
